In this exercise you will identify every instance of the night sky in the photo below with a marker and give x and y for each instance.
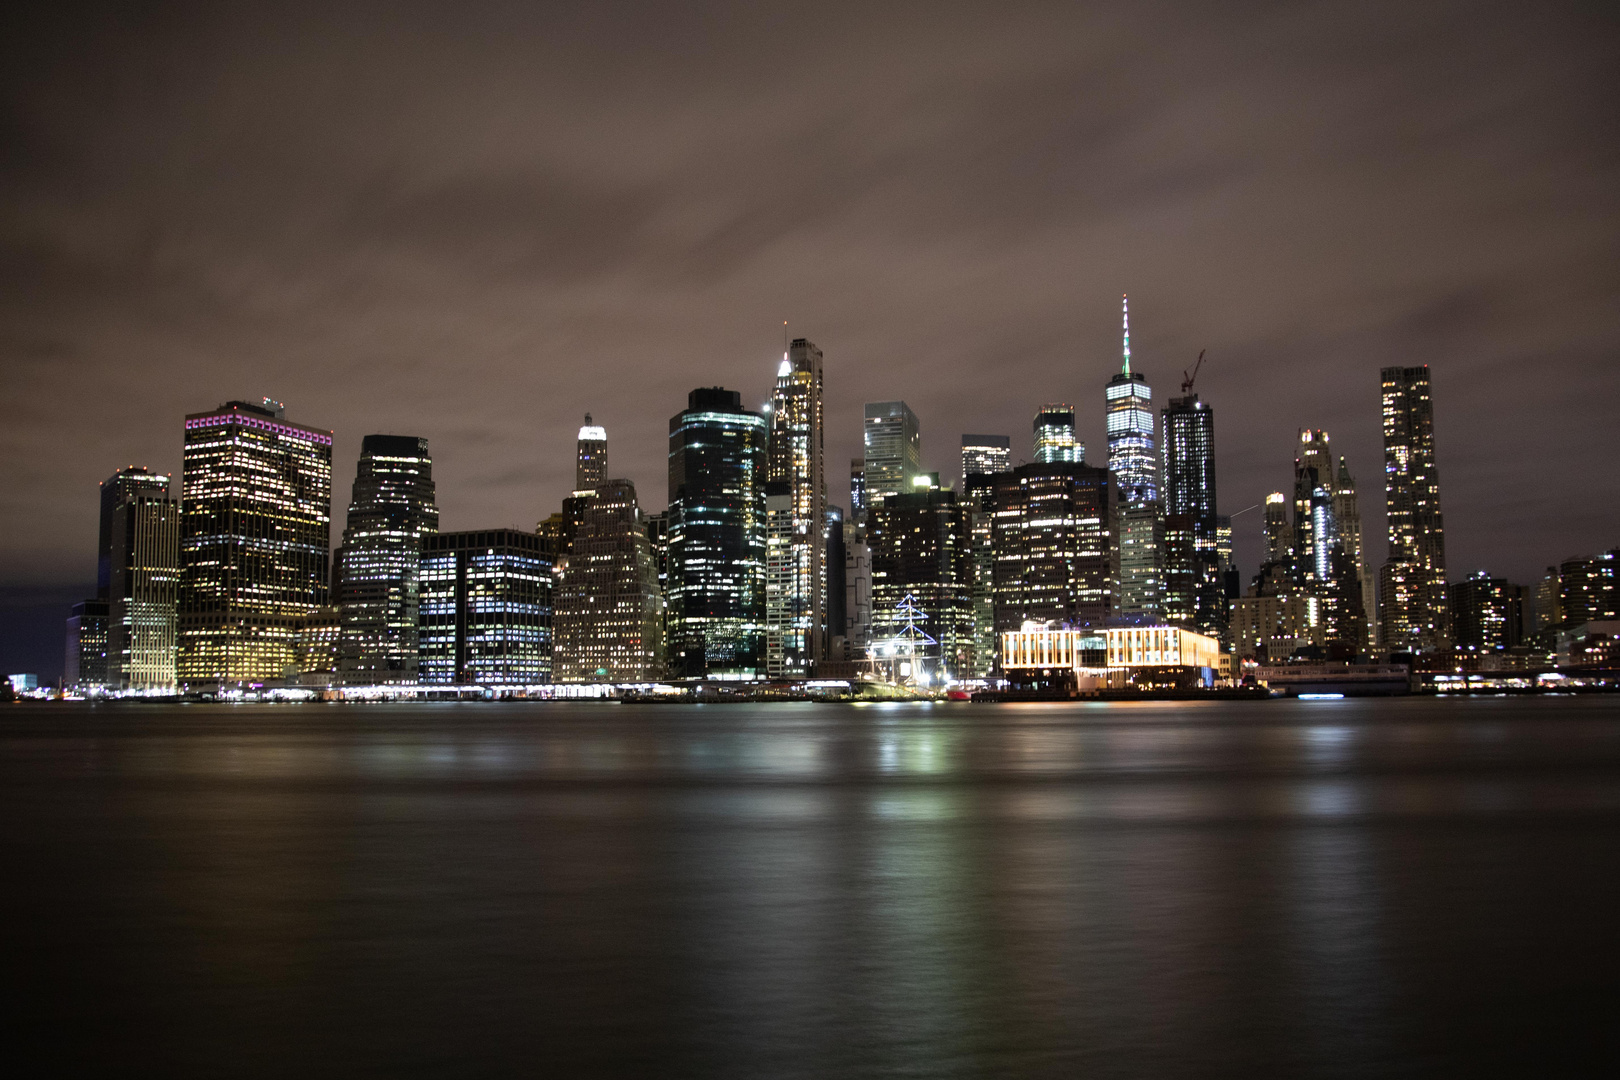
(476, 222)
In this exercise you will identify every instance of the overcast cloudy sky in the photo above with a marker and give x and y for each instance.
(476, 222)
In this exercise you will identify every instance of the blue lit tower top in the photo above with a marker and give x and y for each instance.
(1131, 454)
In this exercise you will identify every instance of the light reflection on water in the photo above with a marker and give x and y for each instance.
(813, 890)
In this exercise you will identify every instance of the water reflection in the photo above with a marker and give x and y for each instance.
(1029, 890)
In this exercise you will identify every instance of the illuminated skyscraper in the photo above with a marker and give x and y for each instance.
(89, 665)
(796, 569)
(1054, 542)
(985, 455)
(1487, 614)
(717, 462)
(857, 489)
(1589, 588)
(1325, 546)
(609, 612)
(1279, 531)
(142, 647)
(135, 480)
(1134, 461)
(85, 662)
(921, 550)
(1194, 592)
(392, 509)
(255, 541)
(1054, 435)
(1412, 584)
(485, 610)
(590, 463)
(893, 442)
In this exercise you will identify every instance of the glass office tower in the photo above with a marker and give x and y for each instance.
(1194, 591)
(922, 568)
(485, 611)
(985, 455)
(392, 509)
(255, 541)
(1054, 435)
(716, 596)
(893, 444)
(796, 569)
(1134, 461)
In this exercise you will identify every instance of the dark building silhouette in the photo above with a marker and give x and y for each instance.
(1487, 614)
(921, 547)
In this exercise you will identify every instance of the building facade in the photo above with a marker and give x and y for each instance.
(985, 455)
(1055, 543)
(893, 442)
(1412, 584)
(610, 613)
(143, 599)
(1194, 587)
(717, 465)
(84, 665)
(255, 541)
(1054, 435)
(1487, 614)
(1589, 589)
(796, 571)
(485, 610)
(590, 458)
(392, 509)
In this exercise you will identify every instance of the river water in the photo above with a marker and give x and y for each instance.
(1338, 888)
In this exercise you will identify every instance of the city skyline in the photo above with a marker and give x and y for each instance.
(479, 254)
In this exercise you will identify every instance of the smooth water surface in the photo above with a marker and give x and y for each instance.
(1336, 888)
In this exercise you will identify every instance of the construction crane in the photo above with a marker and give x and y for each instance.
(1186, 379)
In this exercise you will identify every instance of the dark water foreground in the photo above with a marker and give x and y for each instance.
(1412, 887)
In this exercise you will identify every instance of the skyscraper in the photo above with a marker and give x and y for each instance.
(717, 463)
(1487, 614)
(485, 611)
(1195, 594)
(1279, 531)
(1589, 588)
(1134, 461)
(1054, 435)
(796, 572)
(144, 589)
(590, 463)
(134, 480)
(893, 442)
(84, 663)
(922, 579)
(857, 488)
(1347, 511)
(255, 541)
(1054, 541)
(1324, 548)
(610, 615)
(985, 455)
(393, 507)
(1412, 584)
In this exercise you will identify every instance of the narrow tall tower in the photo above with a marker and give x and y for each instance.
(1412, 584)
(1134, 461)
(796, 569)
(590, 466)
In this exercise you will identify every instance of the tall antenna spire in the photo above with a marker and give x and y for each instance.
(1126, 302)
